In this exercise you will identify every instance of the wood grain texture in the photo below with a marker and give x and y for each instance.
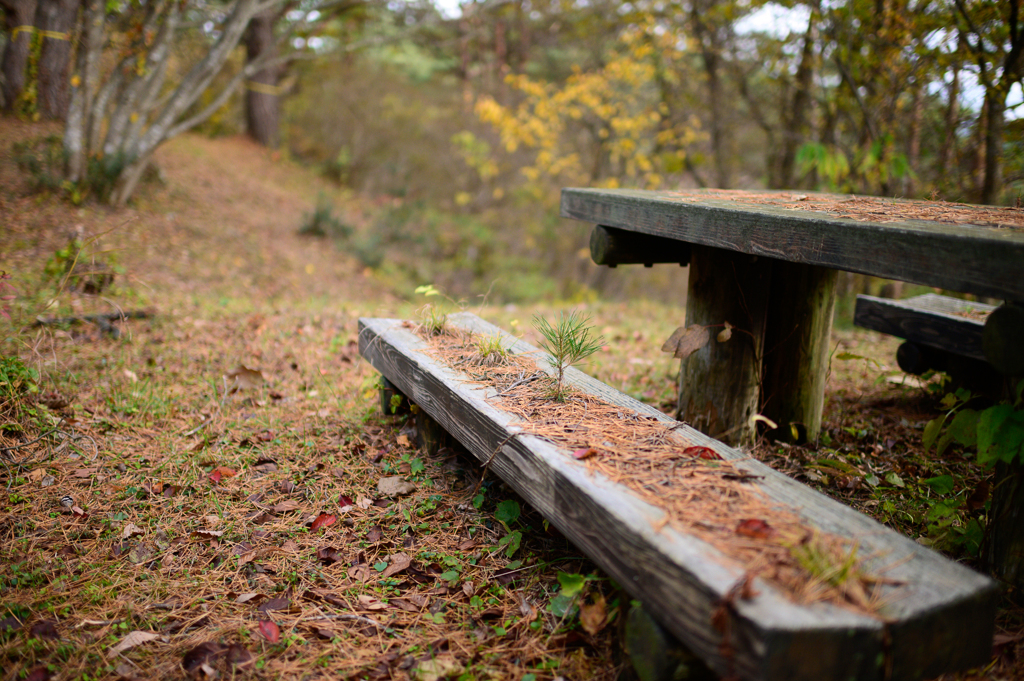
(931, 320)
(939, 616)
(719, 384)
(796, 348)
(972, 259)
(1003, 338)
(614, 247)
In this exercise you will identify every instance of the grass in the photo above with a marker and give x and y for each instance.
(192, 499)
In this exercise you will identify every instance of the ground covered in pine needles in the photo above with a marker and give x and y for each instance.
(215, 492)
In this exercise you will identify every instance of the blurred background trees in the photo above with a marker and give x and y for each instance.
(460, 123)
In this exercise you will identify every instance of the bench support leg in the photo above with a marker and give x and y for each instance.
(392, 401)
(656, 654)
(718, 384)
(432, 436)
(796, 348)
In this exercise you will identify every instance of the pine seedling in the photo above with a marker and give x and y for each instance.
(568, 342)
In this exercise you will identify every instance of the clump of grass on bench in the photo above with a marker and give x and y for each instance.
(568, 342)
(490, 350)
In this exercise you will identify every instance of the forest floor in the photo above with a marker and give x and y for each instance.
(200, 495)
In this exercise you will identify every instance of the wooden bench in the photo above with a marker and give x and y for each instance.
(941, 333)
(936, 616)
(767, 262)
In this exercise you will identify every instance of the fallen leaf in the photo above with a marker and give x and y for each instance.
(685, 341)
(403, 441)
(204, 653)
(39, 674)
(468, 588)
(37, 474)
(585, 453)
(85, 472)
(323, 520)
(285, 506)
(270, 631)
(244, 378)
(207, 534)
(329, 555)
(239, 656)
(364, 503)
(593, 616)
(44, 629)
(370, 603)
(399, 563)
(131, 530)
(374, 534)
(345, 502)
(703, 453)
(404, 604)
(245, 598)
(279, 603)
(436, 669)
(133, 639)
(755, 529)
(140, 554)
(221, 472)
(394, 486)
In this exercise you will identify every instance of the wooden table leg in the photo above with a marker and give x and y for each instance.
(718, 384)
(796, 348)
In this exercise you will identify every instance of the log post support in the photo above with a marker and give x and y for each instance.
(656, 654)
(796, 348)
(719, 384)
(392, 401)
(432, 435)
(1003, 338)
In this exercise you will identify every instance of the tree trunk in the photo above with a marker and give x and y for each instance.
(20, 14)
(952, 121)
(262, 100)
(54, 20)
(795, 119)
(90, 50)
(992, 184)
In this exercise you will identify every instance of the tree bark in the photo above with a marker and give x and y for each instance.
(90, 48)
(796, 348)
(20, 15)
(795, 119)
(719, 384)
(262, 101)
(55, 20)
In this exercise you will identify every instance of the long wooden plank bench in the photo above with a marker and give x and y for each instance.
(935, 615)
(933, 325)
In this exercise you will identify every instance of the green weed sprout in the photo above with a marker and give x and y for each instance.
(490, 350)
(434, 316)
(568, 342)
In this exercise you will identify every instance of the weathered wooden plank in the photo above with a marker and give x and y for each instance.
(614, 247)
(972, 259)
(939, 616)
(930, 319)
(1003, 338)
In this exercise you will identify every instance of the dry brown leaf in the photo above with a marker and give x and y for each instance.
(244, 378)
(394, 486)
(285, 506)
(131, 530)
(370, 603)
(726, 333)
(593, 616)
(438, 668)
(685, 341)
(399, 563)
(133, 639)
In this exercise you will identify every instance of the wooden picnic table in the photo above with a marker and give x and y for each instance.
(767, 262)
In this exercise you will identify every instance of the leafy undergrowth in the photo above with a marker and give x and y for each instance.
(214, 490)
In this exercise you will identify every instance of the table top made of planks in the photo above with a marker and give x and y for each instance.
(954, 246)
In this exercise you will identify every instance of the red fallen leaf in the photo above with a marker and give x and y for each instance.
(345, 501)
(703, 453)
(38, 674)
(322, 520)
(585, 453)
(755, 529)
(270, 631)
(220, 472)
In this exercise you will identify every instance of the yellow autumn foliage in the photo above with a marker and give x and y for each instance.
(605, 127)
